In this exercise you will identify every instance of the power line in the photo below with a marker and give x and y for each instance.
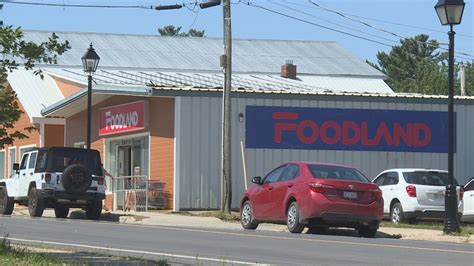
(77, 5)
(374, 19)
(315, 24)
(337, 24)
(460, 55)
(389, 32)
(380, 29)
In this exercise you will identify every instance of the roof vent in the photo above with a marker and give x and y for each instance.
(288, 70)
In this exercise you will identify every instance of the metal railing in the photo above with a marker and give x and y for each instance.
(137, 193)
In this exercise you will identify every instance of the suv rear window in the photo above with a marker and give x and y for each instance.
(55, 160)
(335, 172)
(429, 178)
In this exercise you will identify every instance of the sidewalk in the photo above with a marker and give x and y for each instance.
(169, 219)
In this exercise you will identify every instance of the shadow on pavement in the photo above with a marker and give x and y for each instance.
(81, 215)
(352, 233)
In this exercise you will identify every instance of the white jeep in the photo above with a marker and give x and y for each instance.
(57, 177)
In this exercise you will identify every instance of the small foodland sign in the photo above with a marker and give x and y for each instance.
(346, 129)
(123, 118)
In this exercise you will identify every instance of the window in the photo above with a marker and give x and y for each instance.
(291, 171)
(469, 186)
(2, 164)
(11, 159)
(429, 178)
(274, 175)
(23, 150)
(380, 180)
(392, 178)
(41, 162)
(31, 164)
(24, 162)
(336, 172)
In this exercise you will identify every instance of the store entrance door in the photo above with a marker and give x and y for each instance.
(126, 158)
(124, 161)
(124, 168)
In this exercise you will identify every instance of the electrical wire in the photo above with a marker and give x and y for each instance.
(459, 54)
(315, 24)
(77, 5)
(378, 20)
(337, 24)
(383, 30)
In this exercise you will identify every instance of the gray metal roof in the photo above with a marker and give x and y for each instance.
(33, 92)
(202, 54)
(262, 82)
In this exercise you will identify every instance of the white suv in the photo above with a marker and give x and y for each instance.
(58, 178)
(413, 194)
(468, 211)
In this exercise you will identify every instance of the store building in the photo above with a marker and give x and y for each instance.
(157, 106)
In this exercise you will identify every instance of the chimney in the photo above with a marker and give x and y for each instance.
(288, 70)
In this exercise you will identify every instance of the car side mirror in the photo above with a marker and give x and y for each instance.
(257, 180)
(16, 166)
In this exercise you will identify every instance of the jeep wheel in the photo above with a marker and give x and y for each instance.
(6, 202)
(76, 178)
(35, 203)
(93, 210)
(61, 211)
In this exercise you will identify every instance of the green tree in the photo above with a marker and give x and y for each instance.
(171, 30)
(415, 66)
(18, 52)
(469, 78)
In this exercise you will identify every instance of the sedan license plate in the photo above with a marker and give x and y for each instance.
(350, 195)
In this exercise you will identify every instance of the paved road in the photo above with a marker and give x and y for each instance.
(187, 245)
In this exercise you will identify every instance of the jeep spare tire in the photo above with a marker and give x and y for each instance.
(76, 178)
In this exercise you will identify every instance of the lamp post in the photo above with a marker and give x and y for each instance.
(450, 13)
(90, 61)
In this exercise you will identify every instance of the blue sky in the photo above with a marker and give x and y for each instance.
(251, 22)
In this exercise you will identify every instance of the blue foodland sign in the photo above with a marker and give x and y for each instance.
(346, 129)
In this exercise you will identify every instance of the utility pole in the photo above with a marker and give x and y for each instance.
(226, 149)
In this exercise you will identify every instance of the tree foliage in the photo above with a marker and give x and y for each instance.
(18, 52)
(416, 66)
(171, 30)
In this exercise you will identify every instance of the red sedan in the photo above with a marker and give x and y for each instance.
(313, 195)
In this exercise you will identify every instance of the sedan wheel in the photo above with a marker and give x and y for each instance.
(246, 216)
(293, 219)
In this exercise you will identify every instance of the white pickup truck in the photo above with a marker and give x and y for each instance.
(56, 177)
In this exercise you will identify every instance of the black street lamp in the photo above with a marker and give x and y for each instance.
(90, 61)
(450, 13)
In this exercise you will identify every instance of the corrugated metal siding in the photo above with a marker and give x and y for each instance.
(200, 150)
(158, 52)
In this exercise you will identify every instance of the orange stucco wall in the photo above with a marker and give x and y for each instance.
(53, 136)
(160, 128)
(162, 144)
(66, 87)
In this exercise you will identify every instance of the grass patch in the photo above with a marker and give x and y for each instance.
(465, 230)
(10, 255)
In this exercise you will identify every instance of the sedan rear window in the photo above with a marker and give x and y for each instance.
(336, 172)
(429, 178)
